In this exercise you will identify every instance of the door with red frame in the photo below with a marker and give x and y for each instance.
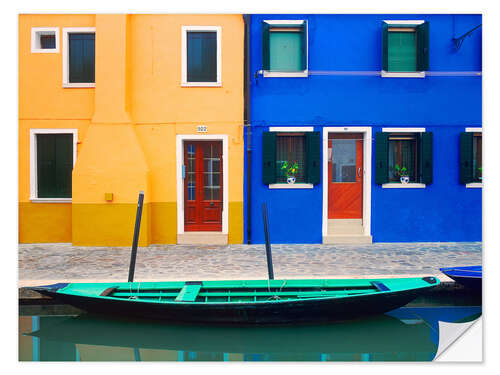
(203, 186)
(345, 176)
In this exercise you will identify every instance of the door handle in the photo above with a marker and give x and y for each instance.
(359, 172)
(211, 204)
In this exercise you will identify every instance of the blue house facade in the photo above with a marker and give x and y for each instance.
(364, 128)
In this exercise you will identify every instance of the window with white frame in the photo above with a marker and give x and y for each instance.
(44, 39)
(471, 157)
(201, 56)
(79, 57)
(402, 156)
(284, 48)
(52, 157)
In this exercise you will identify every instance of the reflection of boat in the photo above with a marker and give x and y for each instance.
(470, 276)
(243, 301)
(380, 334)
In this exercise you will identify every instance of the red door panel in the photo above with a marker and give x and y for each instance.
(345, 176)
(203, 186)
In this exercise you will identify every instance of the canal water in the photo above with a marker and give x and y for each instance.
(410, 333)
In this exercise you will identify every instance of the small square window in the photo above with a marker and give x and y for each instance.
(405, 47)
(45, 40)
(201, 56)
(284, 48)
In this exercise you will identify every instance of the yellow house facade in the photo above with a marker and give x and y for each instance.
(110, 105)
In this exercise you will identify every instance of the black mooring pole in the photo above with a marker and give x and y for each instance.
(133, 255)
(268, 245)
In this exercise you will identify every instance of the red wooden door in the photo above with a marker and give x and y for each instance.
(203, 186)
(345, 176)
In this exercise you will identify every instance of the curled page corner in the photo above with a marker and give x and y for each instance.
(460, 342)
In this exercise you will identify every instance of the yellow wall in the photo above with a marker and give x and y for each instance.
(127, 125)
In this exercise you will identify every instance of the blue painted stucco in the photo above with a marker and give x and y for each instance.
(444, 104)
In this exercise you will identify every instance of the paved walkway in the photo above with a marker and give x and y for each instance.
(49, 263)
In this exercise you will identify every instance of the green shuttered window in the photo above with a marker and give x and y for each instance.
(302, 148)
(54, 157)
(201, 56)
(413, 151)
(471, 160)
(284, 47)
(405, 48)
(81, 58)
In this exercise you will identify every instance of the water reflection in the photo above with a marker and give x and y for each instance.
(406, 334)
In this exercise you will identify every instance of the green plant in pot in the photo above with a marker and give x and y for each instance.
(290, 170)
(402, 172)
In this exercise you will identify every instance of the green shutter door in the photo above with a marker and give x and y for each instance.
(381, 158)
(265, 46)
(423, 47)
(313, 157)
(427, 158)
(385, 65)
(466, 155)
(401, 55)
(54, 165)
(81, 58)
(268, 158)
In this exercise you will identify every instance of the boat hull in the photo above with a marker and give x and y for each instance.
(270, 312)
(470, 277)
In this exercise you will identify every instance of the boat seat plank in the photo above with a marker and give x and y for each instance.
(188, 293)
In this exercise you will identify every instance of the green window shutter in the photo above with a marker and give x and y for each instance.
(401, 54)
(426, 158)
(385, 54)
(268, 158)
(381, 158)
(265, 46)
(466, 155)
(201, 56)
(423, 47)
(303, 62)
(54, 165)
(81, 58)
(313, 157)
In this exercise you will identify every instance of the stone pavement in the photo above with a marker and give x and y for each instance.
(47, 263)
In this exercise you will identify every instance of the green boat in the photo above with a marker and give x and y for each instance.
(243, 301)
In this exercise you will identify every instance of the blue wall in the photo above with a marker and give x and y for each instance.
(445, 105)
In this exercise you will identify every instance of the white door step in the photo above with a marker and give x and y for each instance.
(332, 239)
(202, 238)
(345, 226)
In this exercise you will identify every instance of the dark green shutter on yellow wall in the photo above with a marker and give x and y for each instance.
(466, 155)
(426, 158)
(201, 56)
(81, 58)
(381, 158)
(269, 158)
(313, 157)
(54, 165)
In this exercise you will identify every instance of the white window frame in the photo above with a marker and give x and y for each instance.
(36, 32)
(399, 185)
(386, 74)
(300, 73)
(474, 184)
(65, 50)
(184, 81)
(291, 129)
(33, 163)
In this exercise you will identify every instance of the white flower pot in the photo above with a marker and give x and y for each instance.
(290, 180)
(404, 179)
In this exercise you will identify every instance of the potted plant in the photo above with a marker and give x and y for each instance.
(402, 172)
(290, 169)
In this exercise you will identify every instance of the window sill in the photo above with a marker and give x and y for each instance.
(397, 185)
(78, 85)
(45, 50)
(474, 185)
(402, 74)
(201, 84)
(270, 74)
(51, 200)
(291, 186)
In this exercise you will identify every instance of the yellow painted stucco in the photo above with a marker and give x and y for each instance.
(127, 126)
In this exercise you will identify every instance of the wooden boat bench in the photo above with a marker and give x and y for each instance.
(189, 292)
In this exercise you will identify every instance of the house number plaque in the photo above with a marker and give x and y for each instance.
(201, 129)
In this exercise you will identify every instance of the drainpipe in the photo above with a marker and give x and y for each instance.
(246, 88)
